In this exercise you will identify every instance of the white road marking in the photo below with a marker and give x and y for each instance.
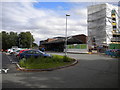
(9, 58)
(14, 62)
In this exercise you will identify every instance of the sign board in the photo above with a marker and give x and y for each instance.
(77, 48)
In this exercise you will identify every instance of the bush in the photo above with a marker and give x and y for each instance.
(42, 62)
(66, 59)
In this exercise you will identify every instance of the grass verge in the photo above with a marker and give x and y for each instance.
(45, 63)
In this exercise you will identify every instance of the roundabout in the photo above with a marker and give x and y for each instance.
(45, 64)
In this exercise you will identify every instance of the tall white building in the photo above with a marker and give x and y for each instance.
(99, 23)
(119, 14)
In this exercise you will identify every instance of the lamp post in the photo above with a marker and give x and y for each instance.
(66, 36)
(31, 41)
(19, 42)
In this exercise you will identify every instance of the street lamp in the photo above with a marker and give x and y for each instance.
(19, 42)
(31, 40)
(66, 36)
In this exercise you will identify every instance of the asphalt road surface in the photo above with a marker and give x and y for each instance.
(92, 71)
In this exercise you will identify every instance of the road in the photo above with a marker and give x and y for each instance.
(92, 71)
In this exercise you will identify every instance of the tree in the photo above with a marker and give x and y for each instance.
(12, 39)
(26, 39)
(0, 41)
(8, 39)
(5, 41)
(34, 45)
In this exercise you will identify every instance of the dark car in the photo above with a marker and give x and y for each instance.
(33, 53)
(21, 51)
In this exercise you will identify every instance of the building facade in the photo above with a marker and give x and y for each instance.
(58, 43)
(119, 15)
(100, 24)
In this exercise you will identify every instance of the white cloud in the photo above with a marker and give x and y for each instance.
(60, 0)
(93, 0)
(43, 23)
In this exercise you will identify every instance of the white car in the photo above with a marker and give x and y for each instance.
(17, 52)
(10, 51)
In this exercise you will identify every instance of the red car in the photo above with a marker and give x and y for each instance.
(22, 51)
(6, 50)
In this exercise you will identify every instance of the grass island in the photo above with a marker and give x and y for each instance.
(45, 63)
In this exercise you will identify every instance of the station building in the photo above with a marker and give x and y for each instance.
(58, 43)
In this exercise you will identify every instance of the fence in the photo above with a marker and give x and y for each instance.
(77, 48)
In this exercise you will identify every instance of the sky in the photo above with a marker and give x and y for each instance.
(45, 19)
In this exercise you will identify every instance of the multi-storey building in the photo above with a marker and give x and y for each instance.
(119, 14)
(100, 24)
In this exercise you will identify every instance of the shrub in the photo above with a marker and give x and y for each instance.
(66, 59)
(42, 62)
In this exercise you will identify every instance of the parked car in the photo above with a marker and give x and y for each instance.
(17, 53)
(33, 53)
(16, 50)
(6, 50)
(10, 51)
(21, 51)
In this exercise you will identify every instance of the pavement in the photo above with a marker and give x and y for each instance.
(92, 71)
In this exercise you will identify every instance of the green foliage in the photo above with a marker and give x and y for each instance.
(24, 39)
(114, 46)
(35, 46)
(66, 59)
(8, 39)
(43, 63)
(77, 46)
(22, 62)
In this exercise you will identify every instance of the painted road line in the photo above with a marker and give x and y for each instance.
(14, 62)
(9, 58)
